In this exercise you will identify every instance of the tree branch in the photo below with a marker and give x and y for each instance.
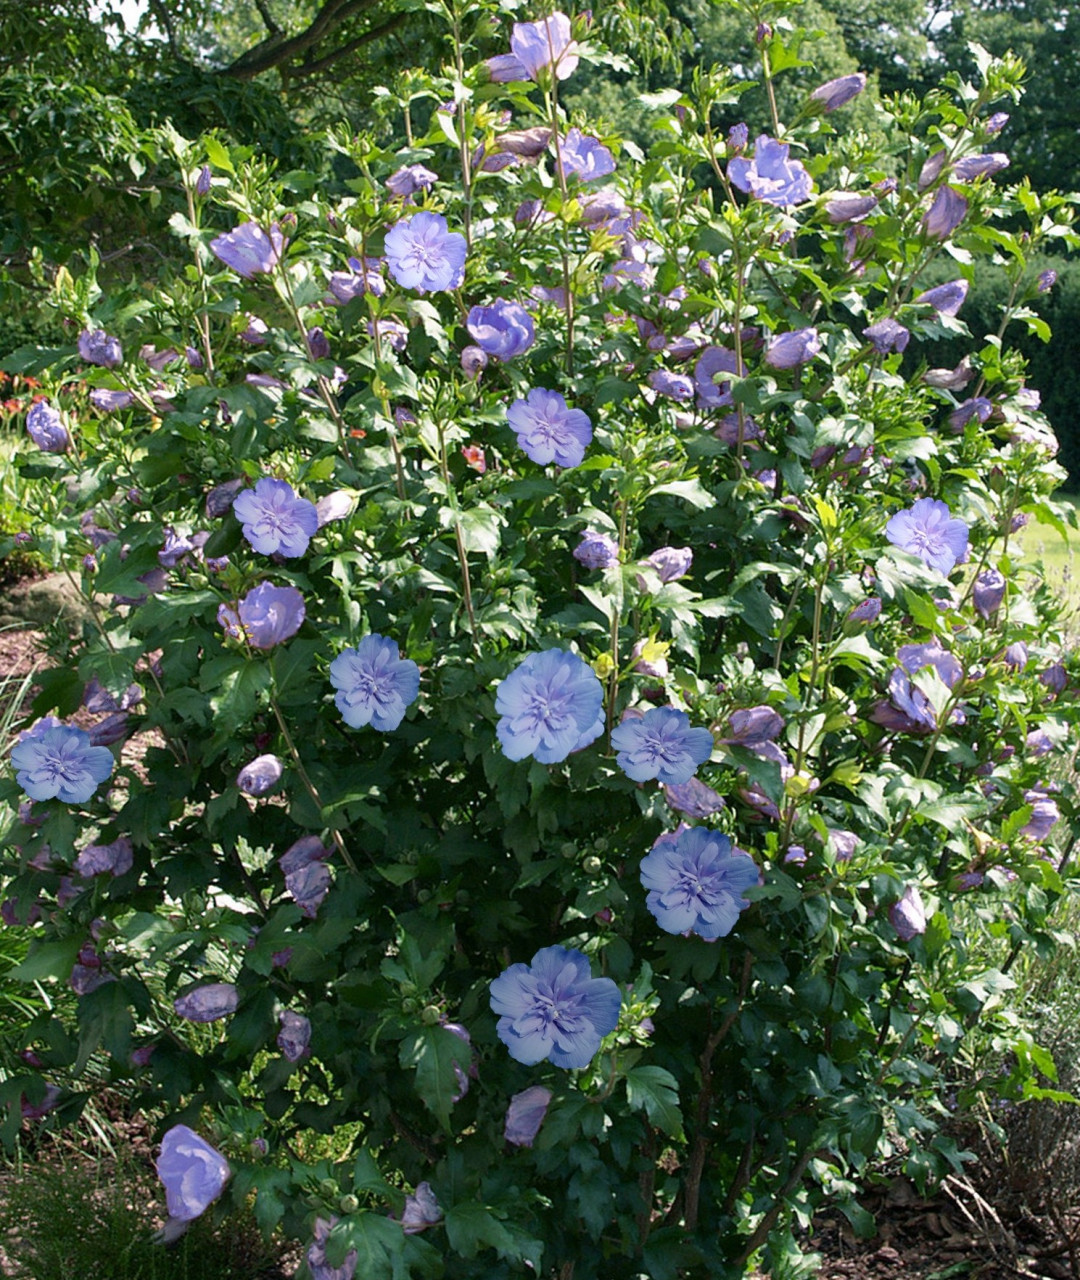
(162, 15)
(321, 64)
(278, 49)
(267, 17)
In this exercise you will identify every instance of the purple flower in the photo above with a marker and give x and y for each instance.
(421, 1210)
(192, 1172)
(260, 776)
(844, 844)
(362, 277)
(220, 498)
(788, 350)
(204, 181)
(551, 704)
(597, 550)
(540, 47)
(908, 915)
(175, 548)
(548, 430)
(694, 799)
(931, 169)
(316, 1255)
(1046, 280)
(308, 884)
(984, 166)
(771, 176)
(410, 179)
(945, 213)
(294, 1036)
(585, 157)
(662, 745)
(1016, 655)
(318, 344)
(504, 68)
(114, 859)
(753, 726)
(887, 335)
(866, 611)
(423, 254)
(334, 506)
(504, 329)
(158, 360)
(98, 347)
(978, 407)
(109, 730)
(714, 360)
(670, 562)
(849, 206)
(1055, 677)
(1044, 814)
(275, 519)
(834, 93)
(738, 138)
(525, 1115)
(695, 880)
(950, 379)
(929, 531)
(909, 710)
(914, 657)
(250, 250)
(111, 401)
(988, 592)
(37, 1110)
(268, 615)
(946, 299)
(209, 1003)
(554, 1008)
(85, 977)
(59, 760)
(44, 427)
(302, 853)
(474, 360)
(375, 684)
(675, 385)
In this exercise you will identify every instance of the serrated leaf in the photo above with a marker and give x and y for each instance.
(471, 1226)
(376, 1239)
(435, 1052)
(656, 1091)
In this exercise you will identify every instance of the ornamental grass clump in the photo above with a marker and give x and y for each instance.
(521, 567)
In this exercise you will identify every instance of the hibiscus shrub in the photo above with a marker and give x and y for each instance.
(563, 723)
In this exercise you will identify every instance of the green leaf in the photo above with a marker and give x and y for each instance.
(692, 491)
(217, 155)
(105, 1019)
(366, 1175)
(435, 1052)
(655, 1091)
(480, 529)
(471, 1226)
(378, 1240)
(52, 959)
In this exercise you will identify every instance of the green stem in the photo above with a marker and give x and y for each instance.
(305, 777)
(463, 560)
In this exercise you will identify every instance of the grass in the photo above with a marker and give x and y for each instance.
(79, 1215)
(1057, 555)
